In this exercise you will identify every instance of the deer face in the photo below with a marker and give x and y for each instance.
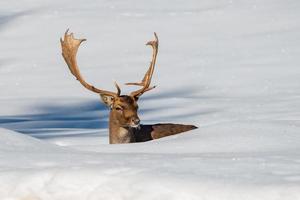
(123, 109)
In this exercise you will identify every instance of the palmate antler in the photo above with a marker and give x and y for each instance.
(70, 47)
(148, 76)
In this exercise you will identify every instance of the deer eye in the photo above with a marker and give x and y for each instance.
(119, 108)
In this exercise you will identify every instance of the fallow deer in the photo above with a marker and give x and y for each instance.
(124, 123)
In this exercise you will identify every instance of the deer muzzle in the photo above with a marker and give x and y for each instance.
(135, 122)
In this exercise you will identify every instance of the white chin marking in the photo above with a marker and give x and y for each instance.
(135, 126)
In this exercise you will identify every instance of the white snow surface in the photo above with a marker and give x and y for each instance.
(230, 67)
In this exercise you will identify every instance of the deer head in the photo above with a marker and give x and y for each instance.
(123, 107)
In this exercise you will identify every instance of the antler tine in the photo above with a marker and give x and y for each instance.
(118, 88)
(70, 47)
(148, 76)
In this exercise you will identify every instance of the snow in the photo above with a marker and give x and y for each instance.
(230, 67)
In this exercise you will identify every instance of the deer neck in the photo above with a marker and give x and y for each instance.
(117, 133)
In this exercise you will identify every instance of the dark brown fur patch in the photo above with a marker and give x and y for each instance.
(156, 131)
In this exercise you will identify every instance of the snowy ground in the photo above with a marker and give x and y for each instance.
(230, 67)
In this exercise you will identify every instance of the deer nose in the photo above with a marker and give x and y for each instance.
(136, 121)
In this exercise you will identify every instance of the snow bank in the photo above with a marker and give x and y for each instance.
(229, 67)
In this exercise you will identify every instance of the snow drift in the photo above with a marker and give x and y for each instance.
(229, 67)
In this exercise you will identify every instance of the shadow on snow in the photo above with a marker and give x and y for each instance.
(65, 119)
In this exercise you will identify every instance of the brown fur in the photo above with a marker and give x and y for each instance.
(121, 124)
(156, 131)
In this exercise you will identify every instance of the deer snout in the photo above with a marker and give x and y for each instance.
(135, 121)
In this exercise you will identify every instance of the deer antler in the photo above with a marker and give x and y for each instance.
(70, 47)
(148, 76)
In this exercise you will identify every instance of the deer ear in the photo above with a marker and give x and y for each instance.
(107, 100)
